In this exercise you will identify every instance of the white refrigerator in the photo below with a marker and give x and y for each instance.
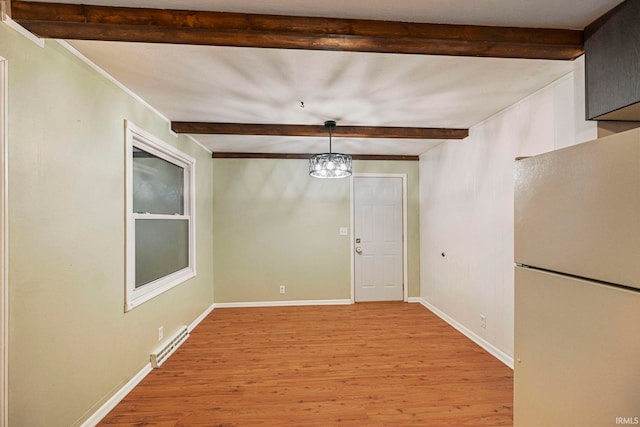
(577, 285)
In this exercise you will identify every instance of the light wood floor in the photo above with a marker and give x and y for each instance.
(373, 364)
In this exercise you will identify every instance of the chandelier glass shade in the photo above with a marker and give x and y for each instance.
(330, 165)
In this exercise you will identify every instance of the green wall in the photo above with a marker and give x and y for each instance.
(274, 225)
(71, 346)
(260, 224)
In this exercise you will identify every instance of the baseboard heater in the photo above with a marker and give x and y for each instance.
(159, 356)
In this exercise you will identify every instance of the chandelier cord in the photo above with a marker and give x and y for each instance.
(330, 139)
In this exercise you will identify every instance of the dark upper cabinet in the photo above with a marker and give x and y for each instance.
(612, 63)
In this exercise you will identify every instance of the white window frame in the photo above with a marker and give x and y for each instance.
(136, 137)
(4, 245)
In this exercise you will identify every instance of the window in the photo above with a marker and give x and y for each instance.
(160, 217)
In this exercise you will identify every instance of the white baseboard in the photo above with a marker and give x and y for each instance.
(200, 318)
(490, 348)
(94, 419)
(283, 303)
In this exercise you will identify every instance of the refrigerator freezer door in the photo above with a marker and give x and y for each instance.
(577, 352)
(577, 210)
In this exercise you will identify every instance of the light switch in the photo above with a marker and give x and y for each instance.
(344, 231)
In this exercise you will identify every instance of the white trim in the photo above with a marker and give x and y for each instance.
(109, 77)
(113, 401)
(282, 303)
(128, 91)
(4, 245)
(158, 216)
(157, 287)
(405, 238)
(525, 99)
(21, 30)
(139, 138)
(352, 238)
(490, 348)
(200, 318)
(405, 255)
(150, 141)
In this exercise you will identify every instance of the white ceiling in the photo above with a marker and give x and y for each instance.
(248, 85)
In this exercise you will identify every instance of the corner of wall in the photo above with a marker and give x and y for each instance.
(466, 210)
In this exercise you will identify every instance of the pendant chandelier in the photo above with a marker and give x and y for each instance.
(330, 165)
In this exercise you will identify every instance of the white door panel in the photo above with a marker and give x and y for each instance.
(378, 233)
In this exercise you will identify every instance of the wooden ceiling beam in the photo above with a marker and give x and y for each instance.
(85, 22)
(289, 156)
(207, 128)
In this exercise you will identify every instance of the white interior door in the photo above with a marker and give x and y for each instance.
(378, 229)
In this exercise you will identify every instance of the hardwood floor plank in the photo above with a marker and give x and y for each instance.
(372, 364)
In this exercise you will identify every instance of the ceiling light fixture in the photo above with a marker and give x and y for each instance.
(330, 165)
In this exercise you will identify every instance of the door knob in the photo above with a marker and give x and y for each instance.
(359, 250)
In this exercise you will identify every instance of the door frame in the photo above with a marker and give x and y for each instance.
(4, 248)
(352, 245)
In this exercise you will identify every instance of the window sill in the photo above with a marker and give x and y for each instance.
(151, 290)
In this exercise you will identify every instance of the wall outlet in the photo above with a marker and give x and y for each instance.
(483, 321)
(282, 289)
(160, 332)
